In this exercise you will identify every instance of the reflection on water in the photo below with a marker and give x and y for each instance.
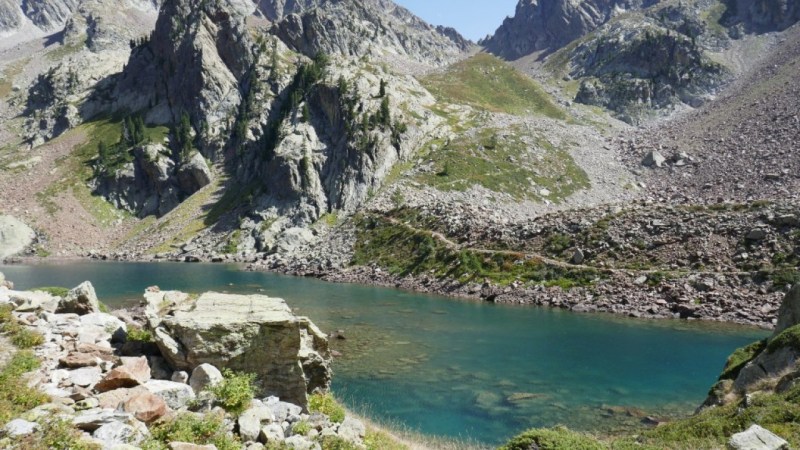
(460, 368)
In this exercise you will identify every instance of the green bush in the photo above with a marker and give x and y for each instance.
(193, 429)
(54, 291)
(25, 338)
(553, 439)
(58, 434)
(139, 335)
(235, 391)
(301, 428)
(326, 404)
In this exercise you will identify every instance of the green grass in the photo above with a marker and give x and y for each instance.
(55, 291)
(189, 428)
(139, 335)
(21, 336)
(326, 404)
(505, 162)
(739, 358)
(15, 395)
(486, 82)
(403, 251)
(553, 439)
(789, 338)
(55, 434)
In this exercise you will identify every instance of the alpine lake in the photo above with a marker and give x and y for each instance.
(454, 368)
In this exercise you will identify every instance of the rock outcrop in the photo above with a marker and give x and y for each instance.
(340, 27)
(547, 25)
(15, 236)
(252, 334)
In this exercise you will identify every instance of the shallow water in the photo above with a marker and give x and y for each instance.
(458, 368)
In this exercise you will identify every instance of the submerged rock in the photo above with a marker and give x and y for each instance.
(251, 334)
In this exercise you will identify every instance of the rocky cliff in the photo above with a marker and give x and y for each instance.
(550, 24)
(377, 28)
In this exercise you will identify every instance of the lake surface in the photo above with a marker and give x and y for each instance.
(457, 368)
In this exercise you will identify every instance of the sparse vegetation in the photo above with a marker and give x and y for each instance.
(326, 404)
(193, 429)
(55, 291)
(485, 82)
(139, 335)
(15, 395)
(739, 358)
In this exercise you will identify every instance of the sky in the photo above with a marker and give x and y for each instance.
(472, 18)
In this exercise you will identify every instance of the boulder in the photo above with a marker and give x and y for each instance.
(15, 236)
(578, 256)
(33, 301)
(133, 372)
(119, 433)
(145, 406)
(86, 376)
(757, 438)
(298, 442)
(271, 434)
(194, 174)
(106, 322)
(80, 300)
(180, 377)
(252, 421)
(18, 428)
(251, 334)
(113, 399)
(75, 360)
(176, 395)
(352, 430)
(204, 376)
(654, 159)
(93, 419)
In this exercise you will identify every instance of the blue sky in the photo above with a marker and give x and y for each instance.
(472, 18)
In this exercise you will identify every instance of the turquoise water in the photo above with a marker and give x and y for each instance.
(457, 368)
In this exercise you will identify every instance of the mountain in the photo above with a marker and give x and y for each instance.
(547, 25)
(377, 28)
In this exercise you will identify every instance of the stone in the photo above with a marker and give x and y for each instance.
(86, 376)
(251, 334)
(187, 446)
(32, 301)
(113, 399)
(93, 419)
(578, 257)
(106, 322)
(120, 433)
(15, 236)
(251, 422)
(133, 372)
(145, 406)
(352, 430)
(298, 442)
(80, 300)
(757, 234)
(757, 438)
(654, 159)
(159, 368)
(282, 410)
(176, 395)
(272, 433)
(180, 377)
(19, 428)
(789, 312)
(204, 376)
(75, 360)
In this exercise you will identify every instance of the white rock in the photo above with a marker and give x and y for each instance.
(85, 376)
(180, 377)
(250, 422)
(204, 376)
(108, 323)
(116, 433)
(176, 395)
(757, 438)
(298, 442)
(19, 427)
(352, 430)
(272, 433)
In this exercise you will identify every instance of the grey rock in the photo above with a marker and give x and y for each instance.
(298, 442)
(108, 323)
(15, 236)
(767, 365)
(117, 433)
(352, 430)
(180, 377)
(252, 421)
(19, 428)
(204, 376)
(654, 159)
(757, 234)
(193, 174)
(272, 434)
(175, 395)
(80, 300)
(253, 334)
(86, 376)
(757, 438)
(93, 419)
(578, 257)
(789, 312)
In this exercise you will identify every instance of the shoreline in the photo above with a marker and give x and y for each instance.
(617, 297)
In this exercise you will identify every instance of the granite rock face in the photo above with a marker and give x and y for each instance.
(252, 334)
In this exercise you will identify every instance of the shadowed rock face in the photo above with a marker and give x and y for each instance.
(551, 24)
(251, 334)
(762, 16)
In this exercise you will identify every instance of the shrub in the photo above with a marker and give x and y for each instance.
(553, 439)
(326, 404)
(380, 440)
(235, 391)
(54, 291)
(302, 428)
(25, 338)
(139, 335)
(193, 429)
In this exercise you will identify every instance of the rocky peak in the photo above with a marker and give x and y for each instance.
(760, 16)
(377, 28)
(550, 24)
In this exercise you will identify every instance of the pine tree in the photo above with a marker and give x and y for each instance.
(382, 90)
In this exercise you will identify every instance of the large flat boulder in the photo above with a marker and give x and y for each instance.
(15, 236)
(253, 334)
